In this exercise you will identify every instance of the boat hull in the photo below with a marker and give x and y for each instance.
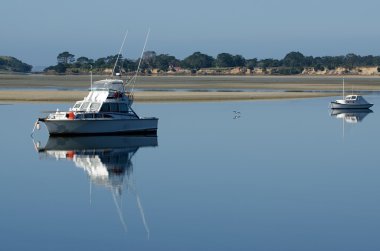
(100, 126)
(335, 105)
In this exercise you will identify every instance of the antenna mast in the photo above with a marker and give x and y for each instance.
(141, 57)
(118, 55)
(91, 77)
(343, 88)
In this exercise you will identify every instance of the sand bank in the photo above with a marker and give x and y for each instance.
(51, 88)
(154, 96)
(288, 83)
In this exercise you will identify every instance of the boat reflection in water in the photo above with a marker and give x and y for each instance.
(106, 159)
(351, 116)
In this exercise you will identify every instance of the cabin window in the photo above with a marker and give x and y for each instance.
(98, 115)
(123, 107)
(77, 105)
(94, 106)
(84, 106)
(88, 115)
(113, 107)
(79, 116)
(105, 107)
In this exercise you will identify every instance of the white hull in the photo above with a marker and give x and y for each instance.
(335, 105)
(100, 126)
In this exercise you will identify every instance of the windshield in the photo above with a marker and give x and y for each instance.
(116, 85)
(84, 106)
(77, 105)
(94, 106)
(351, 98)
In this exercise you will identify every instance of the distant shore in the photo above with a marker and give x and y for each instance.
(48, 88)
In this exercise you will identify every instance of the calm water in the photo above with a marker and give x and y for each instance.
(285, 175)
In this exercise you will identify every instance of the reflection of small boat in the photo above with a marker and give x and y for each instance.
(351, 115)
(106, 159)
(351, 102)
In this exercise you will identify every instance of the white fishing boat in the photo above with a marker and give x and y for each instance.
(106, 110)
(352, 101)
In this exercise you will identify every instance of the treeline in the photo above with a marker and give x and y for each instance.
(292, 63)
(11, 64)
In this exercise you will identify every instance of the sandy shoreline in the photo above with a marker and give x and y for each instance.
(51, 88)
(198, 82)
(155, 96)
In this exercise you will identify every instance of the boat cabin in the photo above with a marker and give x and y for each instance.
(105, 96)
(353, 97)
(85, 106)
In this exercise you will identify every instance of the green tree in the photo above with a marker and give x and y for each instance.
(111, 60)
(351, 60)
(60, 68)
(294, 59)
(14, 64)
(330, 62)
(165, 61)
(129, 65)
(149, 59)
(224, 60)
(239, 60)
(83, 62)
(65, 58)
(100, 63)
(228, 60)
(251, 63)
(197, 60)
(308, 61)
(269, 62)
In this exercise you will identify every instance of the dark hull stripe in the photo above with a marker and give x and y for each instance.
(148, 132)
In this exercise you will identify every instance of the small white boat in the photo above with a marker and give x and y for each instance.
(351, 102)
(106, 110)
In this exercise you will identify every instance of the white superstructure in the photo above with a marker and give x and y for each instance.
(105, 110)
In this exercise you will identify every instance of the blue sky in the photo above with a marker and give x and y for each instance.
(36, 31)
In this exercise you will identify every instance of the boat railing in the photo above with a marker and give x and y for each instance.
(105, 89)
(130, 97)
(102, 115)
(57, 115)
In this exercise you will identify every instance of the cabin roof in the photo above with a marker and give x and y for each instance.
(353, 97)
(108, 84)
